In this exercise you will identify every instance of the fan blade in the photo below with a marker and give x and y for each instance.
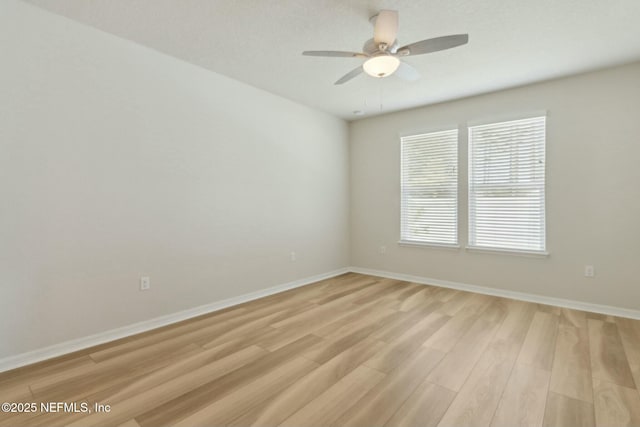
(407, 72)
(433, 45)
(386, 28)
(334, 54)
(351, 74)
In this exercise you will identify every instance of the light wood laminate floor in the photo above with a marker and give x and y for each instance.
(354, 350)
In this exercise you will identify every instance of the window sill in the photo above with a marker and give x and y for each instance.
(516, 252)
(428, 245)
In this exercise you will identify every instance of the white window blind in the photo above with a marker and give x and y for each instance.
(429, 188)
(507, 185)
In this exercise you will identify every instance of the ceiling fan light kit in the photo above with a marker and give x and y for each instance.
(381, 65)
(383, 55)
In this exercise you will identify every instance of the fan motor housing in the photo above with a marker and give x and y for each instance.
(370, 47)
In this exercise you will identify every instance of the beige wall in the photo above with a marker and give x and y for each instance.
(593, 190)
(117, 161)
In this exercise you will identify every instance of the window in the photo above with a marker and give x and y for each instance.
(429, 188)
(507, 184)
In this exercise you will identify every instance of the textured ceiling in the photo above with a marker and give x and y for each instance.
(512, 42)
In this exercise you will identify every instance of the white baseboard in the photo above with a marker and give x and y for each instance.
(66, 347)
(558, 302)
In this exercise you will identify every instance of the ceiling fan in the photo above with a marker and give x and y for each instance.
(382, 52)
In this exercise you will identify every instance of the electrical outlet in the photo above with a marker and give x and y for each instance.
(382, 250)
(589, 271)
(293, 257)
(145, 283)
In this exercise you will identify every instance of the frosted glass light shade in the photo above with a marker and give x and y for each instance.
(381, 66)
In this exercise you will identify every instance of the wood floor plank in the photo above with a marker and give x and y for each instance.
(517, 322)
(571, 371)
(550, 309)
(16, 393)
(398, 351)
(354, 320)
(130, 407)
(230, 345)
(250, 327)
(615, 405)
(376, 285)
(425, 407)
(478, 398)
(600, 316)
(309, 292)
(153, 343)
(456, 303)
(383, 400)
(398, 296)
(444, 294)
(456, 366)
(539, 345)
(278, 338)
(269, 315)
(175, 370)
(447, 337)
(524, 398)
(315, 317)
(344, 280)
(608, 358)
(481, 393)
(224, 410)
(423, 297)
(42, 369)
(565, 411)
(339, 292)
(202, 326)
(629, 330)
(208, 392)
(28, 374)
(337, 285)
(281, 406)
(114, 372)
(327, 408)
(402, 321)
(328, 348)
(411, 290)
(573, 317)
(393, 287)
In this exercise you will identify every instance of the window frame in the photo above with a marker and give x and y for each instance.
(543, 251)
(404, 241)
